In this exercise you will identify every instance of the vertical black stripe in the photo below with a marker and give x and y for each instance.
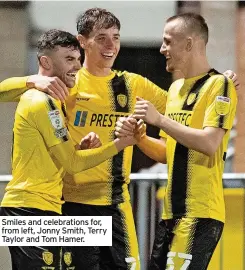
(63, 109)
(118, 87)
(221, 119)
(179, 180)
(51, 104)
(180, 163)
(53, 107)
(195, 90)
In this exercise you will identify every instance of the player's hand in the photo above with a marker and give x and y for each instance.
(125, 126)
(146, 111)
(50, 85)
(233, 76)
(91, 140)
(140, 130)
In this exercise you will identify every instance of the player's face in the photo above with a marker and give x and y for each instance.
(174, 47)
(101, 47)
(65, 64)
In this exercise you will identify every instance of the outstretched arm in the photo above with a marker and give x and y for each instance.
(153, 148)
(11, 89)
(75, 161)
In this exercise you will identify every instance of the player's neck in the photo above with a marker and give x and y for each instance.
(196, 67)
(97, 71)
(45, 72)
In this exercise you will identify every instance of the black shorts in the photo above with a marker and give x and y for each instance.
(185, 243)
(123, 254)
(37, 258)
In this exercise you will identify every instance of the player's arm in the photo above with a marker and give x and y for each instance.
(215, 124)
(11, 89)
(46, 117)
(75, 161)
(153, 148)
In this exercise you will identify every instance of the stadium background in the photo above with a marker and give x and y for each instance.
(22, 22)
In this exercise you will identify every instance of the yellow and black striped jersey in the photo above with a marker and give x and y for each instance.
(95, 105)
(37, 176)
(194, 186)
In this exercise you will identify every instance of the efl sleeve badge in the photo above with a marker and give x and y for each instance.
(55, 119)
(222, 105)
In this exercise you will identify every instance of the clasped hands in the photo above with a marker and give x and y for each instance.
(134, 125)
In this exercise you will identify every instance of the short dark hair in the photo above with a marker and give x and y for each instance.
(96, 18)
(194, 23)
(52, 38)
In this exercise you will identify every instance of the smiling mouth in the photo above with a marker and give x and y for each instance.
(107, 55)
(71, 75)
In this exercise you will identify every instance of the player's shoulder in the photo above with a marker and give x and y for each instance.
(39, 100)
(220, 78)
(221, 81)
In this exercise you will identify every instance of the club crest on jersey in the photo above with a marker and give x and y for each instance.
(191, 98)
(67, 258)
(122, 100)
(222, 105)
(48, 257)
(56, 119)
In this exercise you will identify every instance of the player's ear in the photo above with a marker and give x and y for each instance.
(189, 44)
(82, 41)
(45, 62)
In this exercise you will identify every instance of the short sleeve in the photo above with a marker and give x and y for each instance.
(221, 104)
(48, 118)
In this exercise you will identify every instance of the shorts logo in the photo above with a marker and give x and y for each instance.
(122, 100)
(67, 258)
(80, 118)
(191, 98)
(222, 105)
(56, 119)
(48, 257)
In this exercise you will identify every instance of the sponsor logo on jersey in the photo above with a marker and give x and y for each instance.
(183, 117)
(122, 100)
(80, 118)
(222, 105)
(97, 119)
(48, 257)
(82, 99)
(104, 120)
